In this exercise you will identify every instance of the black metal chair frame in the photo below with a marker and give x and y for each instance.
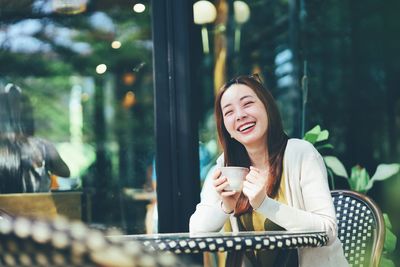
(379, 225)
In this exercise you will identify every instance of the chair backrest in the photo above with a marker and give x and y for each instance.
(361, 227)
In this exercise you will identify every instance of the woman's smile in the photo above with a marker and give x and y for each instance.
(246, 127)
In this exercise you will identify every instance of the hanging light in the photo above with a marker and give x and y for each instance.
(204, 12)
(242, 14)
(101, 68)
(129, 78)
(69, 7)
(129, 100)
(139, 8)
(116, 44)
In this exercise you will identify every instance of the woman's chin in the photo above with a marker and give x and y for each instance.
(251, 140)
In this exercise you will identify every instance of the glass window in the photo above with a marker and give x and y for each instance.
(86, 68)
(243, 38)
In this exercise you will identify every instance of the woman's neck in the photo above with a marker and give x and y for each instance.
(258, 156)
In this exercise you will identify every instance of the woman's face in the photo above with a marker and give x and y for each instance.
(245, 116)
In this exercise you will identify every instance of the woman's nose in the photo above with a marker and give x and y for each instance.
(240, 114)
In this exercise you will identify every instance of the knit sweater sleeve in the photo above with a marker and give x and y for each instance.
(209, 216)
(317, 212)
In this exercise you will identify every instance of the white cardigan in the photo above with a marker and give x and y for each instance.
(310, 205)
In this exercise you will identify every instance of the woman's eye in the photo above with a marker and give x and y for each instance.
(248, 103)
(228, 113)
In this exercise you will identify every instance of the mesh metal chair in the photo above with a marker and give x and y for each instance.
(360, 227)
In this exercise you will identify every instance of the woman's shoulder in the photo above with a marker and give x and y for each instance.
(299, 147)
(300, 153)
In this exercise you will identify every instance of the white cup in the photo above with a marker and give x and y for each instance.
(235, 176)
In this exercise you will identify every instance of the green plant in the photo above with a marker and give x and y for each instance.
(359, 180)
(319, 138)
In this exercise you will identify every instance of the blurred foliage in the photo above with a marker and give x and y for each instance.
(359, 180)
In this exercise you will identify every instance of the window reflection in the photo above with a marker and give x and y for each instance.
(89, 79)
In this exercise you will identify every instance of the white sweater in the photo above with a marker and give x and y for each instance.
(310, 206)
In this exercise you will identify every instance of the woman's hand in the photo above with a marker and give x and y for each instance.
(229, 198)
(254, 187)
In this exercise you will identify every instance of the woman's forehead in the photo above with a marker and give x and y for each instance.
(236, 92)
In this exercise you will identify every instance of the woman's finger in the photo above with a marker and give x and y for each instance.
(254, 173)
(228, 193)
(254, 169)
(252, 178)
(251, 186)
(219, 180)
(255, 177)
(222, 186)
(263, 173)
(259, 181)
(216, 174)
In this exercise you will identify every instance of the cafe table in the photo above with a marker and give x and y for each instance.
(235, 243)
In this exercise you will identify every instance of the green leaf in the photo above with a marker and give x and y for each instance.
(385, 262)
(390, 241)
(315, 130)
(312, 135)
(324, 135)
(387, 221)
(336, 166)
(324, 146)
(359, 179)
(383, 172)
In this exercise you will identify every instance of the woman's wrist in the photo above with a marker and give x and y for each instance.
(224, 208)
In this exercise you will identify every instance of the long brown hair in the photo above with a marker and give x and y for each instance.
(235, 153)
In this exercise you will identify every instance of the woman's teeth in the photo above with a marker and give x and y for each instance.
(246, 126)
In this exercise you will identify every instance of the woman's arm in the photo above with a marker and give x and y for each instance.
(318, 213)
(209, 216)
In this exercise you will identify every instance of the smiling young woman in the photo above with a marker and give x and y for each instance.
(253, 104)
(285, 189)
